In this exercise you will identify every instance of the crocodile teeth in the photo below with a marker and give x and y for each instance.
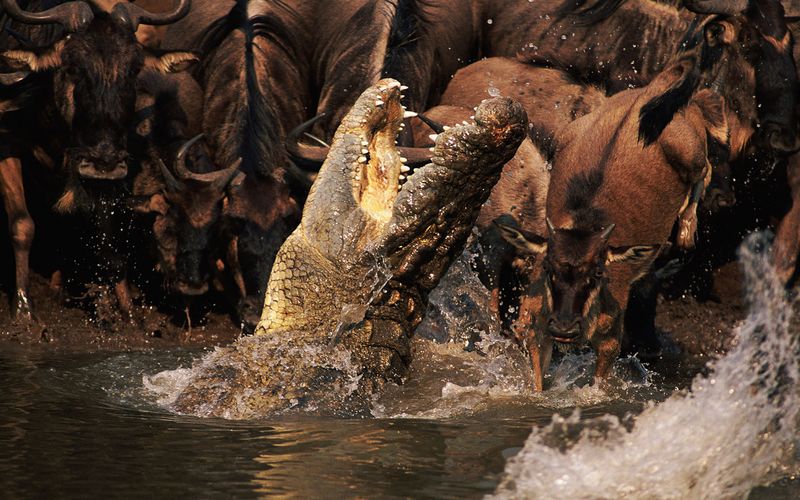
(431, 149)
(409, 114)
(403, 159)
(379, 103)
(402, 96)
(364, 143)
(402, 126)
(433, 136)
(405, 168)
(472, 117)
(364, 151)
(445, 127)
(465, 122)
(403, 87)
(362, 159)
(363, 121)
(394, 84)
(401, 177)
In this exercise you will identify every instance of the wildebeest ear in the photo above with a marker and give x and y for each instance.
(718, 32)
(34, 60)
(633, 253)
(532, 244)
(170, 62)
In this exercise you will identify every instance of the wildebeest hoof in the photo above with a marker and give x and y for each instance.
(248, 314)
(21, 308)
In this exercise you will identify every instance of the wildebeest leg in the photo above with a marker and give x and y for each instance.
(539, 345)
(123, 294)
(494, 300)
(540, 348)
(607, 352)
(787, 241)
(235, 267)
(21, 229)
(640, 317)
(687, 220)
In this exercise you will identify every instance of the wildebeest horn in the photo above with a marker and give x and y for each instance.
(314, 156)
(607, 231)
(131, 15)
(216, 179)
(12, 78)
(311, 156)
(550, 227)
(171, 182)
(433, 124)
(727, 7)
(73, 16)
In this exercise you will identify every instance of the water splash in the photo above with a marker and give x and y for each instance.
(471, 366)
(734, 430)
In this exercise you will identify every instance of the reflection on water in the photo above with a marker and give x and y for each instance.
(84, 425)
(77, 425)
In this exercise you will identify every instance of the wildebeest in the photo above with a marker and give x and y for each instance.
(653, 146)
(85, 64)
(244, 219)
(266, 65)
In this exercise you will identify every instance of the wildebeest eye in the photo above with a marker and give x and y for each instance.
(716, 30)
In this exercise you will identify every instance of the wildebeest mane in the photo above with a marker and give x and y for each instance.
(656, 114)
(588, 15)
(262, 139)
(258, 132)
(406, 29)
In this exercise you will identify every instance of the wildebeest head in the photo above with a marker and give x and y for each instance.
(743, 50)
(194, 203)
(574, 281)
(94, 69)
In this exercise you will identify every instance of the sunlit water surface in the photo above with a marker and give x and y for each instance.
(92, 425)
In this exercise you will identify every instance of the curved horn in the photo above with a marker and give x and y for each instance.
(73, 16)
(221, 178)
(433, 124)
(314, 156)
(311, 156)
(217, 179)
(726, 7)
(180, 160)
(12, 78)
(171, 182)
(607, 231)
(131, 15)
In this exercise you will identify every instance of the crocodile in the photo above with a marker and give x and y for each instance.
(350, 284)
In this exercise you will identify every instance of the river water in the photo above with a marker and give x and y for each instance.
(464, 425)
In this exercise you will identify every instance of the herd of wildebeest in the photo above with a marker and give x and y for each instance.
(660, 132)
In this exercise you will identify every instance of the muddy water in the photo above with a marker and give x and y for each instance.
(465, 425)
(81, 425)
